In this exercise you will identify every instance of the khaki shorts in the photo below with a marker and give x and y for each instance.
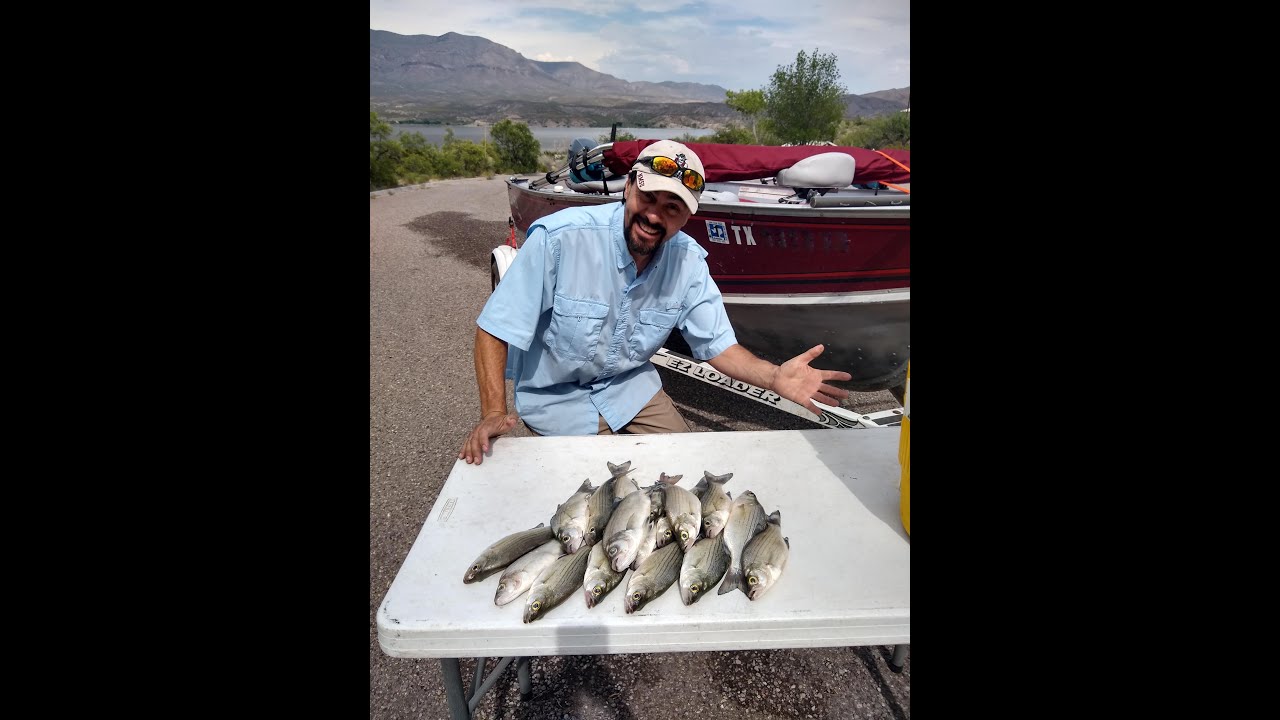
(658, 416)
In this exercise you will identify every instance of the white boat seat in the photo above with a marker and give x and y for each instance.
(824, 170)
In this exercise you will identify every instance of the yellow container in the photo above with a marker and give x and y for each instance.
(904, 454)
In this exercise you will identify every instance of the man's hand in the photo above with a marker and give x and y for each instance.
(494, 424)
(801, 384)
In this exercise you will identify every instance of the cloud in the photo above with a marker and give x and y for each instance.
(737, 44)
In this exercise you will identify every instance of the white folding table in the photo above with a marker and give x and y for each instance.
(847, 580)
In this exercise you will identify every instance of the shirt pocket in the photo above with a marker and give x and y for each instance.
(650, 331)
(574, 331)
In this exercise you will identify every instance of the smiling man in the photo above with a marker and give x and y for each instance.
(593, 294)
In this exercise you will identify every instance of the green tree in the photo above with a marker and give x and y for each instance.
(749, 103)
(518, 149)
(877, 133)
(803, 101)
(384, 154)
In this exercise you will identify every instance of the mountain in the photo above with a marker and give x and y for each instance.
(459, 79)
(880, 102)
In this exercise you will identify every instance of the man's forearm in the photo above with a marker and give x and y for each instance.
(491, 365)
(740, 364)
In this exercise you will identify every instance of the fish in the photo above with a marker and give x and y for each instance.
(657, 573)
(555, 584)
(622, 485)
(570, 520)
(658, 495)
(626, 530)
(702, 568)
(764, 558)
(600, 577)
(683, 509)
(662, 532)
(715, 502)
(506, 551)
(746, 518)
(519, 575)
(606, 497)
(649, 542)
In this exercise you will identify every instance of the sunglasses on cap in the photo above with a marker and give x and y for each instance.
(664, 165)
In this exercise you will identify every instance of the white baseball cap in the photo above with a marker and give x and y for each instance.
(653, 179)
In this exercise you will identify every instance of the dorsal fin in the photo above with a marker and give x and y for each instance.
(775, 517)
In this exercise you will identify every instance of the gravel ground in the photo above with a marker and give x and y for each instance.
(428, 280)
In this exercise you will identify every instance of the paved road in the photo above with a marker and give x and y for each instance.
(428, 279)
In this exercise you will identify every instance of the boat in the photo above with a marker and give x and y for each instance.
(808, 244)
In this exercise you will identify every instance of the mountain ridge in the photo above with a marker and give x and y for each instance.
(461, 79)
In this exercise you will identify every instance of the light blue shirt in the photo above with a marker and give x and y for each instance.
(580, 326)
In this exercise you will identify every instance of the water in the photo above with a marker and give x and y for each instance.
(554, 139)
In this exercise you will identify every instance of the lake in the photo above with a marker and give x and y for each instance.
(555, 139)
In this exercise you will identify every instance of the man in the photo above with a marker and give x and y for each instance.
(593, 294)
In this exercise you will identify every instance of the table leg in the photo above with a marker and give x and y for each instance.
(526, 681)
(899, 658)
(453, 689)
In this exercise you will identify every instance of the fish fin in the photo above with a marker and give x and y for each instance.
(535, 527)
(722, 479)
(585, 486)
(775, 517)
(787, 540)
(728, 494)
(732, 580)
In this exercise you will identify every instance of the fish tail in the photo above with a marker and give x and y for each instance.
(732, 580)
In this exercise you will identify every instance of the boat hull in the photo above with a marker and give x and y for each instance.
(794, 276)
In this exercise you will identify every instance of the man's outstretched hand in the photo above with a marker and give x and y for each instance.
(478, 442)
(801, 384)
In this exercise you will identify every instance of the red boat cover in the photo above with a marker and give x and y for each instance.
(749, 162)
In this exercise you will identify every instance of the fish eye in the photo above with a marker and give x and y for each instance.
(684, 534)
(707, 522)
(636, 597)
(667, 534)
(565, 537)
(752, 579)
(597, 590)
(536, 606)
(693, 588)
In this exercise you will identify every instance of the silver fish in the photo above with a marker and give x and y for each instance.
(662, 532)
(684, 510)
(658, 495)
(627, 529)
(764, 558)
(702, 568)
(649, 542)
(657, 573)
(606, 497)
(622, 485)
(570, 521)
(746, 518)
(555, 584)
(715, 502)
(519, 575)
(600, 577)
(506, 551)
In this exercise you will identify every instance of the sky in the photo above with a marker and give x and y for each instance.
(736, 44)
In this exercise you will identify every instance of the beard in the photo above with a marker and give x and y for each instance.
(639, 244)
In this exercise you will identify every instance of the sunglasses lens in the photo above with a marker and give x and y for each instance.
(665, 165)
(692, 180)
